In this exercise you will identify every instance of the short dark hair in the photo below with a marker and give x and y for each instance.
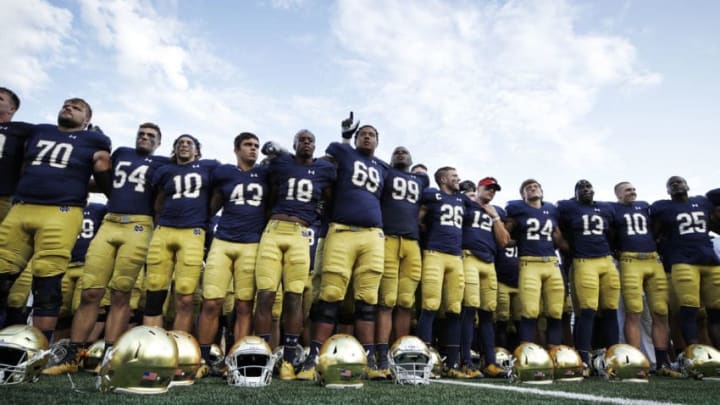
(467, 185)
(301, 132)
(152, 125)
(243, 136)
(439, 173)
(377, 133)
(13, 97)
(415, 166)
(81, 101)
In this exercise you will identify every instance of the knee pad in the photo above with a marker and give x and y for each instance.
(325, 312)
(64, 322)
(47, 295)
(154, 301)
(364, 311)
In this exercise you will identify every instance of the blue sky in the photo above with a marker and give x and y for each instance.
(550, 89)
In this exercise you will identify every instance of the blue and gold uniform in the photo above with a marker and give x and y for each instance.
(479, 251)
(177, 243)
(688, 250)
(354, 246)
(640, 265)
(48, 208)
(595, 280)
(539, 276)
(403, 260)
(234, 248)
(283, 254)
(117, 254)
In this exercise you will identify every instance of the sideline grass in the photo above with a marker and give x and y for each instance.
(51, 390)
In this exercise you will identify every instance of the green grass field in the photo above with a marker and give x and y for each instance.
(50, 390)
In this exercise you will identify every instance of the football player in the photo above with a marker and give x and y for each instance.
(682, 223)
(442, 282)
(533, 224)
(71, 282)
(587, 226)
(242, 191)
(48, 206)
(483, 233)
(354, 246)
(300, 186)
(508, 297)
(641, 272)
(182, 208)
(403, 261)
(11, 148)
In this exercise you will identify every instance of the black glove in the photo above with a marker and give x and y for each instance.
(271, 148)
(348, 127)
(95, 128)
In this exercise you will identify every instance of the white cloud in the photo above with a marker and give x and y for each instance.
(485, 77)
(36, 37)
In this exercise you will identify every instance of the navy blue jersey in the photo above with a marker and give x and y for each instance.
(684, 230)
(358, 188)
(187, 193)
(210, 231)
(12, 147)
(507, 266)
(132, 193)
(58, 166)
(92, 218)
(714, 196)
(244, 196)
(401, 202)
(586, 227)
(478, 236)
(533, 228)
(633, 229)
(444, 221)
(300, 188)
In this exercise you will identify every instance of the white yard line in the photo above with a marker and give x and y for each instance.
(558, 394)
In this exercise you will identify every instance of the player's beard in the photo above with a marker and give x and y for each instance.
(67, 122)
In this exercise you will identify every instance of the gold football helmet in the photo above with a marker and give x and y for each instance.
(531, 364)
(24, 352)
(250, 363)
(142, 361)
(567, 363)
(700, 362)
(503, 358)
(410, 361)
(623, 362)
(94, 355)
(341, 362)
(189, 357)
